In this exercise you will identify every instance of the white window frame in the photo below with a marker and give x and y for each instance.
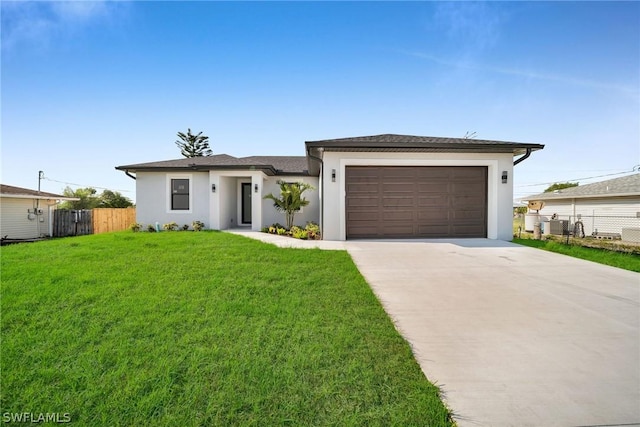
(169, 192)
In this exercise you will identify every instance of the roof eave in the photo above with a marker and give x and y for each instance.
(421, 147)
(267, 169)
(36, 197)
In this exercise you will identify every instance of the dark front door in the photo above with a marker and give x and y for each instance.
(246, 203)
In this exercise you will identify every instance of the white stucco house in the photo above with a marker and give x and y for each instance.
(27, 214)
(381, 186)
(603, 207)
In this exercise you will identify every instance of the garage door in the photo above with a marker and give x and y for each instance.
(409, 202)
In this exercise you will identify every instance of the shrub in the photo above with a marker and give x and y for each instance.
(135, 227)
(170, 226)
(313, 230)
(185, 227)
(151, 228)
(299, 233)
(197, 225)
(281, 231)
(273, 229)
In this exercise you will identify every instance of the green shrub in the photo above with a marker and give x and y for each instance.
(281, 231)
(151, 228)
(300, 234)
(135, 227)
(313, 230)
(197, 225)
(185, 227)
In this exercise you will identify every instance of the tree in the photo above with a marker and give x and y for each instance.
(560, 186)
(113, 199)
(193, 145)
(290, 200)
(87, 196)
(90, 200)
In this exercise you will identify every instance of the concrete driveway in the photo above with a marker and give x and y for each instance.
(514, 336)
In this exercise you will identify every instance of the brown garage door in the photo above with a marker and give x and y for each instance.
(406, 202)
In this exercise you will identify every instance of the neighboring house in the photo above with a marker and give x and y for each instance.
(603, 207)
(383, 186)
(27, 214)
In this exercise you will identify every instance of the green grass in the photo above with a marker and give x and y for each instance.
(201, 329)
(626, 261)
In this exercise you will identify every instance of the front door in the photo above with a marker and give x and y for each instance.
(246, 203)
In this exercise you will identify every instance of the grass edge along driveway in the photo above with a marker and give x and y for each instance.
(184, 328)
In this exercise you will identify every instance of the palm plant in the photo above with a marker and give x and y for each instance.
(290, 200)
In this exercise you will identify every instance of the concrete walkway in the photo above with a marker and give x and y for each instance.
(514, 336)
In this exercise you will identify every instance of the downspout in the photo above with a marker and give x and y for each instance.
(321, 189)
(126, 172)
(523, 158)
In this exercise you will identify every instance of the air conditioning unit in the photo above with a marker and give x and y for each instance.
(559, 227)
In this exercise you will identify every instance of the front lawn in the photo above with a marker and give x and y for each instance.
(201, 329)
(627, 261)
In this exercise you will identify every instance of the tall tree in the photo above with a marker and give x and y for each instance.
(560, 186)
(87, 196)
(290, 200)
(193, 145)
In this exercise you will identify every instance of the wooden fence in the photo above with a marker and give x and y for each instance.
(67, 222)
(106, 220)
(103, 220)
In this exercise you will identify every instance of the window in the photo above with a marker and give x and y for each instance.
(179, 194)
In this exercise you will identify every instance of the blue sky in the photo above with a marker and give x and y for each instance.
(87, 86)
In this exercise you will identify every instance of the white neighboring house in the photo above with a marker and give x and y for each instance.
(603, 207)
(27, 214)
(381, 186)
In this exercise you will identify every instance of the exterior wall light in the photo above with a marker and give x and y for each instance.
(213, 188)
(255, 188)
(333, 175)
(504, 177)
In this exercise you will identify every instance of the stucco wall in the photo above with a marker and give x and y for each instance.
(153, 202)
(311, 212)
(15, 222)
(499, 196)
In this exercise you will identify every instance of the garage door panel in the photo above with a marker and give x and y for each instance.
(397, 172)
(368, 188)
(432, 187)
(396, 230)
(403, 201)
(434, 230)
(358, 202)
(467, 214)
(367, 215)
(397, 215)
(391, 202)
(398, 188)
(467, 173)
(433, 215)
(435, 200)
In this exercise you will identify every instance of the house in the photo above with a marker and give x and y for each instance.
(27, 214)
(602, 207)
(382, 186)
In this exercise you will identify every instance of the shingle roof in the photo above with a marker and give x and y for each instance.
(9, 190)
(624, 186)
(272, 165)
(395, 141)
